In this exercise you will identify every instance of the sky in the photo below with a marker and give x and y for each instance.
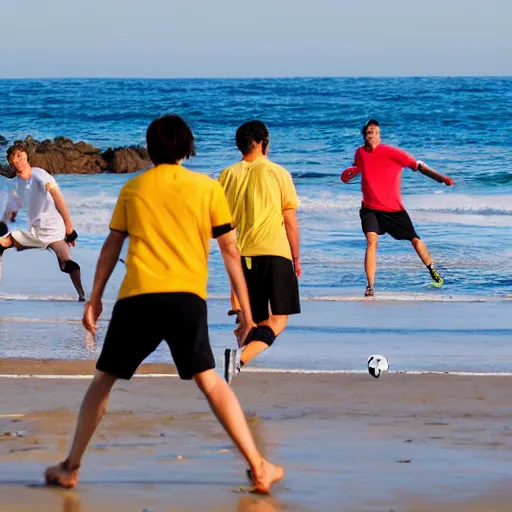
(262, 38)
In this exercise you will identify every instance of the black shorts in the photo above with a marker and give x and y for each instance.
(140, 323)
(396, 224)
(271, 280)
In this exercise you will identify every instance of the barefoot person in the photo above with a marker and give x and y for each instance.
(50, 225)
(382, 210)
(263, 201)
(169, 214)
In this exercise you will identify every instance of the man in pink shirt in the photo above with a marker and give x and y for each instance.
(382, 210)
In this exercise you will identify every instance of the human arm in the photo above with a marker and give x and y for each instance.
(62, 208)
(430, 173)
(289, 203)
(222, 231)
(349, 173)
(232, 262)
(106, 262)
(291, 225)
(14, 204)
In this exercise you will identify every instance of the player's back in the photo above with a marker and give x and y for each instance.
(258, 192)
(169, 214)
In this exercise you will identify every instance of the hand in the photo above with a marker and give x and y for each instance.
(243, 329)
(71, 236)
(448, 181)
(348, 174)
(298, 267)
(92, 311)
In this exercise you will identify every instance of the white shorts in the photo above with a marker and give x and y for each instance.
(27, 240)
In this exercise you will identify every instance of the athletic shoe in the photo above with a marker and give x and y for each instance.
(369, 291)
(3, 229)
(231, 364)
(436, 277)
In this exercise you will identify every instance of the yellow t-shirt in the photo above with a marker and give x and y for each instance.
(170, 215)
(258, 192)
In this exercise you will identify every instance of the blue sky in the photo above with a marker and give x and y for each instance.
(239, 38)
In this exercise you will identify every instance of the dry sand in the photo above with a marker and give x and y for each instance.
(349, 442)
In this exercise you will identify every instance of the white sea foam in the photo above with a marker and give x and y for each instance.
(443, 203)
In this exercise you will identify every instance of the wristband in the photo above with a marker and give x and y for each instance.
(71, 237)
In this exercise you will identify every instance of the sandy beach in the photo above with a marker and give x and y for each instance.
(348, 442)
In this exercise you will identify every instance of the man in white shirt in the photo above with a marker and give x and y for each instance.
(50, 225)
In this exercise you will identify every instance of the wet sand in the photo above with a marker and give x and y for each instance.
(348, 442)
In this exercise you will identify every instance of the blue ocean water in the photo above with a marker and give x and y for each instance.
(459, 126)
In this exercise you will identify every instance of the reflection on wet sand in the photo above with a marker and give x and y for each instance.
(259, 504)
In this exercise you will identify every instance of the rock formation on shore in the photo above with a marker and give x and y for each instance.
(63, 156)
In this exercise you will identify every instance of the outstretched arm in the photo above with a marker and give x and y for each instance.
(434, 175)
(349, 173)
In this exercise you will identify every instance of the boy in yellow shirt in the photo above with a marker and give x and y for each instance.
(263, 202)
(169, 214)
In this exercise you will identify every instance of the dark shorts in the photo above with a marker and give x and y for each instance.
(271, 280)
(396, 224)
(139, 324)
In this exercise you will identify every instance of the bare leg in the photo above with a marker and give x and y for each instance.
(421, 250)
(63, 253)
(92, 409)
(370, 260)
(277, 323)
(227, 409)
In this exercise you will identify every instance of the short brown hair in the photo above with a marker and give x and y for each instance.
(15, 148)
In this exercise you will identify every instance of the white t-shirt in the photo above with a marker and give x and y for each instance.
(45, 221)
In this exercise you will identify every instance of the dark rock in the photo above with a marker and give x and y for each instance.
(63, 156)
(3, 141)
(126, 159)
(6, 172)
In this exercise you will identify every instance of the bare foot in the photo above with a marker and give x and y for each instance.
(266, 475)
(61, 476)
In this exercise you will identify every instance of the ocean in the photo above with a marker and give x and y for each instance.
(459, 126)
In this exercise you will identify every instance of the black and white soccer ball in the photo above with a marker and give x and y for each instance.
(377, 364)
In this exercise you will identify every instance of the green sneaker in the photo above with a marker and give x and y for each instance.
(436, 277)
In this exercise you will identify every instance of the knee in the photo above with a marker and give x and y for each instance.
(371, 243)
(68, 266)
(103, 380)
(416, 242)
(263, 333)
(278, 324)
(207, 381)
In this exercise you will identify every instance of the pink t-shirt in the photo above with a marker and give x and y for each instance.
(381, 175)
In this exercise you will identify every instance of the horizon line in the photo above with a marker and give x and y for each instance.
(270, 77)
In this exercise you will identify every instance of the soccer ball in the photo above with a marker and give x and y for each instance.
(376, 365)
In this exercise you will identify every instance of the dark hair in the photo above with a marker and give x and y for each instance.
(250, 133)
(371, 122)
(15, 148)
(169, 140)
